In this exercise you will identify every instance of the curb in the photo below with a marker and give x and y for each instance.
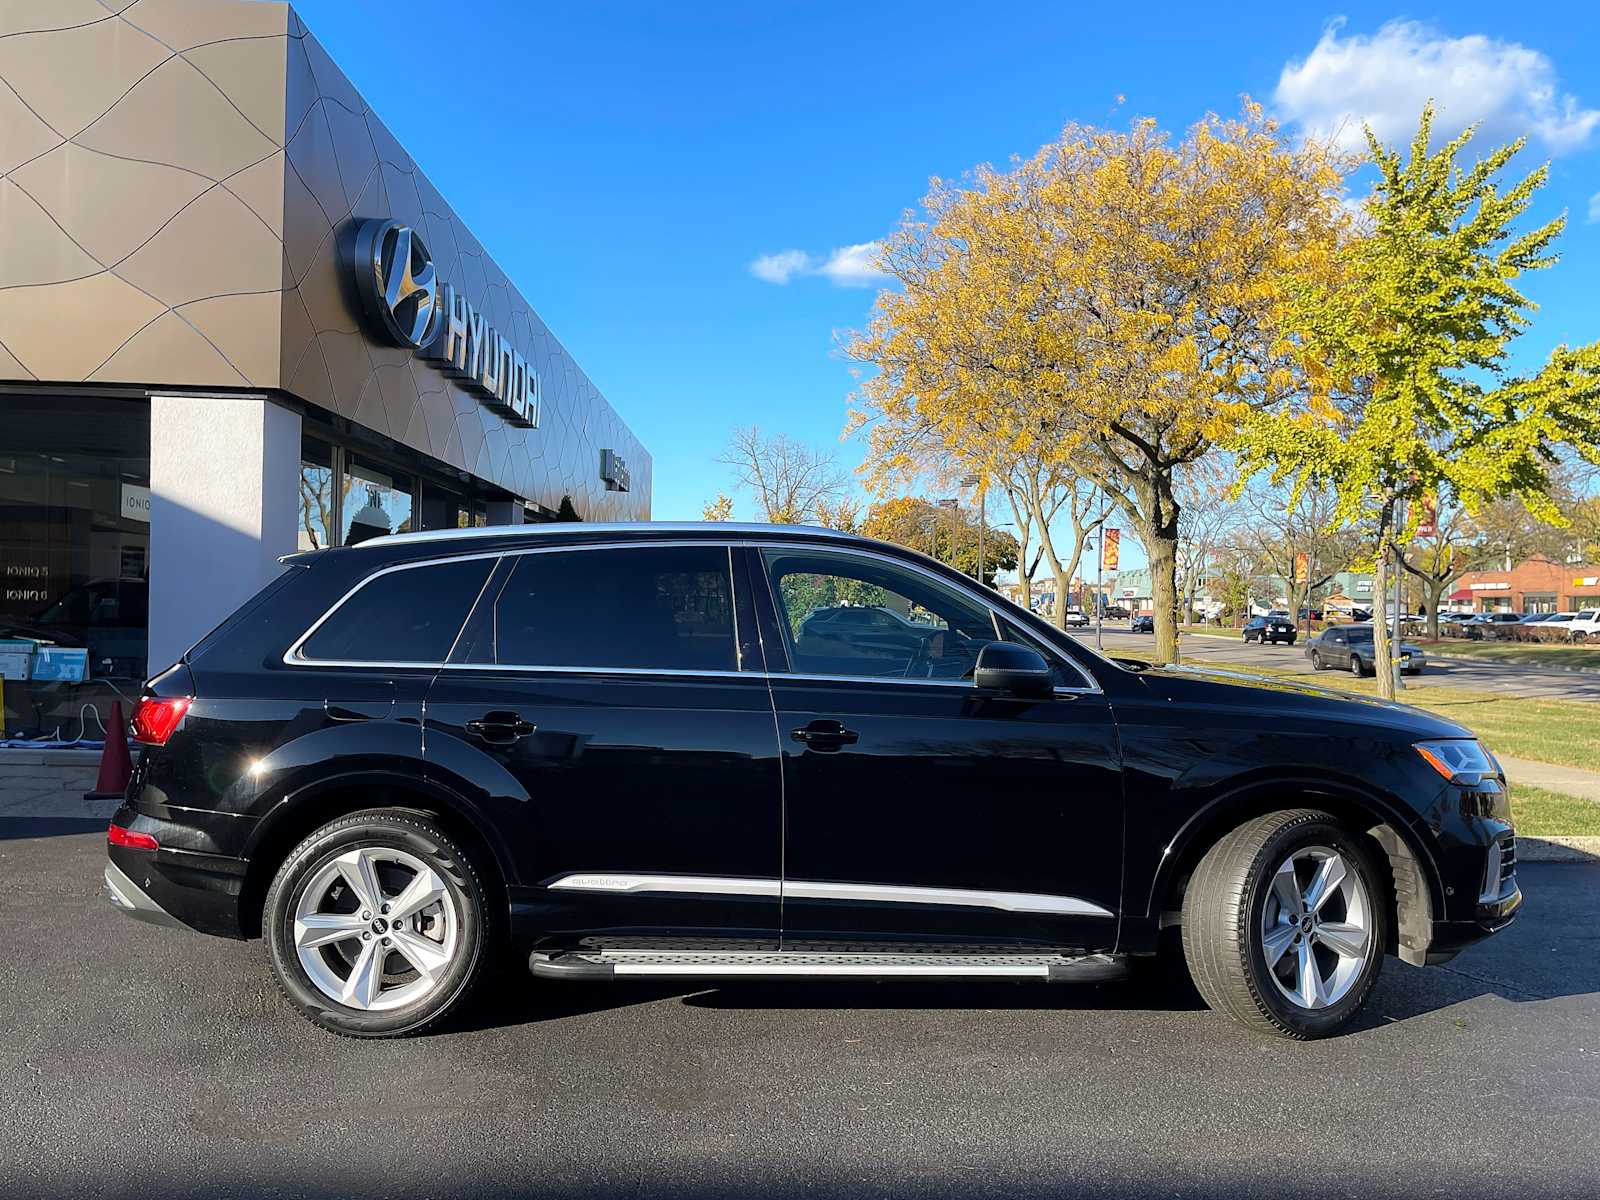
(1475, 661)
(1558, 849)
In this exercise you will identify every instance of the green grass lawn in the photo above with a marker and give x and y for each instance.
(1530, 654)
(1539, 813)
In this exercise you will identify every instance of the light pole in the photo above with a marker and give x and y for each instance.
(972, 481)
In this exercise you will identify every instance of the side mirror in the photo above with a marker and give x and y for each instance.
(1008, 667)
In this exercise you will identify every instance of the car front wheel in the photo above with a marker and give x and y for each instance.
(1282, 929)
(1316, 661)
(378, 925)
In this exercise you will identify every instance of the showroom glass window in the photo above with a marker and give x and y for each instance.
(317, 515)
(850, 615)
(646, 608)
(74, 547)
(377, 500)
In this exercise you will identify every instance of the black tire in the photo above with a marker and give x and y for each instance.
(1225, 905)
(1316, 661)
(416, 834)
(1356, 667)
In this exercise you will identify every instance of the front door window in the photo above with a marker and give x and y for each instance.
(849, 615)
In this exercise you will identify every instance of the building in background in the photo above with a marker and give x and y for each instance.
(1536, 585)
(237, 320)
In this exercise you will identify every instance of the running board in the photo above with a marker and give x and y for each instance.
(598, 965)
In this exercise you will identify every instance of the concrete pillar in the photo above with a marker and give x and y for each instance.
(224, 474)
(504, 512)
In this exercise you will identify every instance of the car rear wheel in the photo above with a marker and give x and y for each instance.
(1356, 667)
(1281, 926)
(1316, 661)
(378, 925)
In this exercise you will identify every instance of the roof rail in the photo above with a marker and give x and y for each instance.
(560, 528)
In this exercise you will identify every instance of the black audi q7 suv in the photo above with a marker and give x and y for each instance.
(628, 751)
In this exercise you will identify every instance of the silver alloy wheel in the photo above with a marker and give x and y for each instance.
(1316, 927)
(376, 929)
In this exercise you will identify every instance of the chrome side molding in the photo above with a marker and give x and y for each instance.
(804, 889)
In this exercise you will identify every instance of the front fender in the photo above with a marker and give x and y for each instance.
(1265, 790)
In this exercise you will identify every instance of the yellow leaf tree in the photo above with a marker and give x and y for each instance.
(1113, 303)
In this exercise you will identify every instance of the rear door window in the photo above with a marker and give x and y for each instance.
(662, 608)
(407, 616)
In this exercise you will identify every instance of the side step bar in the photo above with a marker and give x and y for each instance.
(601, 965)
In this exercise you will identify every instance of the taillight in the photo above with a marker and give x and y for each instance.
(156, 718)
(118, 836)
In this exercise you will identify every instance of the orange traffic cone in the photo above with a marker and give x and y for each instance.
(116, 767)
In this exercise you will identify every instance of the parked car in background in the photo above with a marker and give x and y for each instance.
(618, 752)
(1489, 625)
(1350, 648)
(1116, 612)
(1311, 614)
(1269, 629)
(1142, 624)
(1076, 618)
(1585, 627)
(1524, 630)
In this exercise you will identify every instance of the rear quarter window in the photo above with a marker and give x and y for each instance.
(402, 615)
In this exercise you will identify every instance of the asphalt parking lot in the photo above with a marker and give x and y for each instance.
(1483, 675)
(139, 1061)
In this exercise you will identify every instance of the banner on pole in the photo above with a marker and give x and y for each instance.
(1111, 553)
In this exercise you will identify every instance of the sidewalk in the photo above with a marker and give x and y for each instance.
(1572, 781)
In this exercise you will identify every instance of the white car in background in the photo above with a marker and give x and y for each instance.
(1076, 618)
(1585, 627)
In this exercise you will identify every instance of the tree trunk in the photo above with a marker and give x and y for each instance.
(1382, 652)
(1432, 594)
(1162, 547)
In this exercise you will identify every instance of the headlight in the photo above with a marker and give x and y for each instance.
(1460, 760)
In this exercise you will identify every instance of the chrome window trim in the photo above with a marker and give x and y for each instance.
(627, 883)
(996, 614)
(292, 657)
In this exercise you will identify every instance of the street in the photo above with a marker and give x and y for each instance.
(140, 1061)
(1227, 647)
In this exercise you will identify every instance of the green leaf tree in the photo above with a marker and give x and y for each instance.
(1407, 349)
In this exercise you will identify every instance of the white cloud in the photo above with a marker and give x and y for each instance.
(1384, 79)
(1594, 209)
(780, 267)
(847, 266)
(853, 266)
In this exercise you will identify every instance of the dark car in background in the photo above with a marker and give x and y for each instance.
(1145, 623)
(1269, 629)
(1350, 648)
(624, 752)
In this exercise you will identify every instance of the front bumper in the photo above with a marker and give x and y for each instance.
(1450, 938)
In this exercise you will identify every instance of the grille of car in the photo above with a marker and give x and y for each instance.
(1500, 872)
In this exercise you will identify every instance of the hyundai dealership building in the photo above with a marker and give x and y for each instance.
(237, 320)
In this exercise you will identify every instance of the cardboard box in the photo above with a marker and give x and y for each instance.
(65, 664)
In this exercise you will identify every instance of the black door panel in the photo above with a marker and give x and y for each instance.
(946, 789)
(917, 806)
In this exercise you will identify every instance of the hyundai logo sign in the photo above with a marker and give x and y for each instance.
(406, 305)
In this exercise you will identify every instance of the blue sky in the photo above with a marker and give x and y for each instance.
(627, 164)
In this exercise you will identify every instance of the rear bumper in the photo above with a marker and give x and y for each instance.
(174, 886)
(126, 895)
